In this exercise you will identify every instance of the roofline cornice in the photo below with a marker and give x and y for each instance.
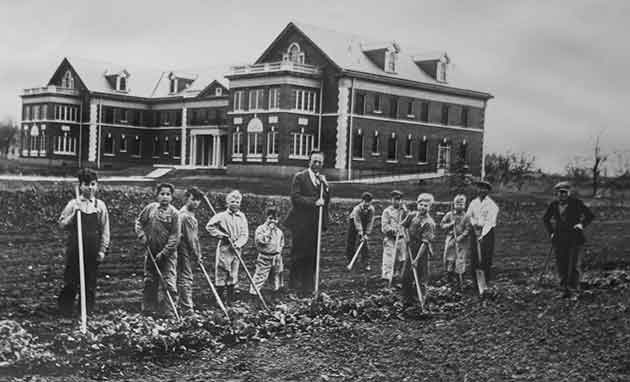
(417, 85)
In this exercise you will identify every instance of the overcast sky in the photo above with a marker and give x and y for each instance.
(557, 69)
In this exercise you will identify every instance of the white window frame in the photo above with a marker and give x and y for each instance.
(237, 145)
(218, 91)
(272, 145)
(302, 146)
(238, 100)
(305, 100)
(256, 97)
(299, 56)
(274, 98)
(252, 144)
(65, 144)
(67, 81)
(123, 143)
(113, 152)
(395, 138)
(390, 61)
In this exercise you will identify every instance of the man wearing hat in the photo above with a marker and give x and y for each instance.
(394, 247)
(483, 212)
(570, 216)
(359, 228)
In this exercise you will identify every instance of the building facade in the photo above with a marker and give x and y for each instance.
(369, 106)
(100, 115)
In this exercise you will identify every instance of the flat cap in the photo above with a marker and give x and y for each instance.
(484, 184)
(562, 186)
(366, 196)
(396, 194)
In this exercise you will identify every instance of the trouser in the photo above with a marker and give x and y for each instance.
(351, 245)
(569, 264)
(72, 284)
(487, 252)
(185, 281)
(394, 256)
(154, 296)
(267, 264)
(302, 273)
(422, 268)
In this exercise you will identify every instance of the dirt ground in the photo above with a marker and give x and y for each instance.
(522, 331)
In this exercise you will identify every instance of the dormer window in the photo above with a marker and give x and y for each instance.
(294, 54)
(441, 71)
(390, 61)
(67, 81)
(218, 91)
(173, 85)
(122, 80)
(122, 84)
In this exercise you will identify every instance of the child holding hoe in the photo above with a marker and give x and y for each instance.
(95, 234)
(269, 243)
(229, 225)
(457, 242)
(158, 229)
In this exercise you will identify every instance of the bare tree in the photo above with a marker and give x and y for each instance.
(598, 161)
(8, 136)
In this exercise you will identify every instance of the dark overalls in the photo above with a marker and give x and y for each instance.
(91, 243)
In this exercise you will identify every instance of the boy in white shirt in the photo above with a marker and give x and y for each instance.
(482, 212)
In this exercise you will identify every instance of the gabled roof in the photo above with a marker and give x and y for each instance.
(143, 82)
(347, 51)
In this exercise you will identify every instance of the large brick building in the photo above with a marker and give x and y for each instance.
(369, 106)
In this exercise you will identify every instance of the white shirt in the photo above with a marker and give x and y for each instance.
(314, 177)
(483, 213)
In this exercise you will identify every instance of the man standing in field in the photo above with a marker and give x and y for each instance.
(306, 188)
(483, 212)
(570, 217)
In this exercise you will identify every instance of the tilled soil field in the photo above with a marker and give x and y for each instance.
(356, 331)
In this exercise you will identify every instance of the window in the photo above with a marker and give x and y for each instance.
(256, 99)
(155, 150)
(218, 91)
(390, 61)
(36, 112)
(254, 145)
(294, 54)
(392, 148)
(445, 114)
(123, 143)
(122, 84)
(177, 148)
(67, 81)
(272, 144)
(464, 116)
(34, 143)
(137, 147)
(237, 145)
(424, 113)
(463, 152)
(108, 114)
(44, 111)
(423, 150)
(408, 145)
(359, 104)
(42, 141)
(441, 71)
(274, 98)
(301, 145)
(357, 144)
(410, 109)
(393, 109)
(375, 144)
(65, 144)
(108, 146)
(377, 103)
(166, 148)
(27, 113)
(238, 100)
(305, 100)
(172, 85)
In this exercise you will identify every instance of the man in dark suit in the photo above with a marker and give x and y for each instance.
(570, 216)
(303, 220)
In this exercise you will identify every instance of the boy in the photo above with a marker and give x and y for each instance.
(158, 229)
(95, 234)
(269, 241)
(570, 216)
(394, 248)
(230, 222)
(421, 230)
(189, 249)
(360, 227)
(457, 239)
(482, 212)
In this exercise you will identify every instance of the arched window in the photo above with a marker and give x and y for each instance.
(357, 144)
(108, 148)
(294, 54)
(123, 84)
(67, 81)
